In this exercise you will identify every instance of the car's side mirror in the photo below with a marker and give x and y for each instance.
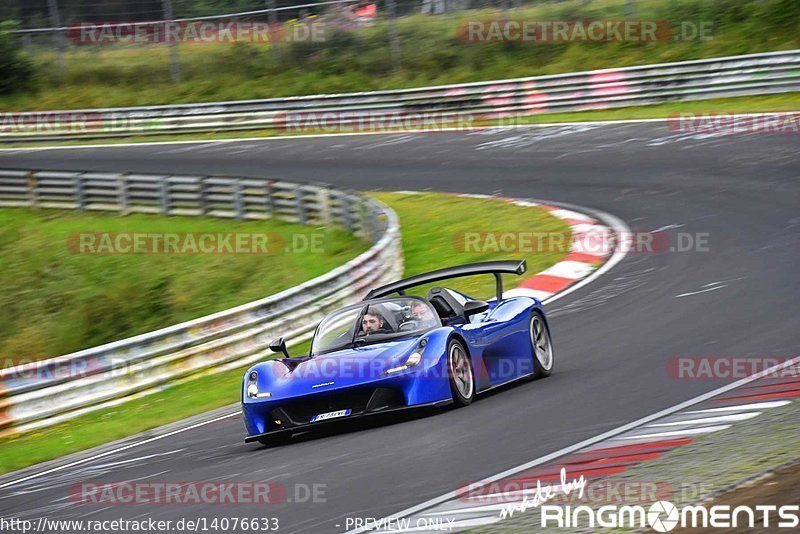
(279, 345)
(472, 307)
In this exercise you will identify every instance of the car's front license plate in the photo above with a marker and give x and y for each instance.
(330, 415)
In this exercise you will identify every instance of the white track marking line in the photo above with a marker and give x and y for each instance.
(701, 291)
(522, 492)
(469, 502)
(591, 441)
(742, 407)
(475, 509)
(674, 433)
(114, 451)
(704, 420)
(667, 227)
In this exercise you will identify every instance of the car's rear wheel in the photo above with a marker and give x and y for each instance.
(541, 346)
(459, 366)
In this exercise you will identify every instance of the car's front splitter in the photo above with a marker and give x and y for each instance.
(355, 417)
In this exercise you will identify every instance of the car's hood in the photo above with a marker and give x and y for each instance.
(343, 368)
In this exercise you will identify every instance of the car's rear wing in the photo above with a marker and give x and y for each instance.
(497, 268)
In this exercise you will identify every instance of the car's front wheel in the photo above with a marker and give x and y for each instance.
(459, 366)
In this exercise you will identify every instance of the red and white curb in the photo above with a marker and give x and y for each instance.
(611, 453)
(592, 244)
(584, 256)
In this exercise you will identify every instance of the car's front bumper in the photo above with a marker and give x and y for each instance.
(303, 427)
(293, 402)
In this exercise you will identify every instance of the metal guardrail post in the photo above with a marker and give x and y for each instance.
(269, 200)
(203, 198)
(274, 32)
(163, 197)
(324, 200)
(348, 213)
(394, 40)
(80, 196)
(363, 219)
(300, 204)
(172, 44)
(374, 224)
(30, 180)
(58, 39)
(238, 200)
(122, 193)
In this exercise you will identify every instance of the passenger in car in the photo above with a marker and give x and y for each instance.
(421, 312)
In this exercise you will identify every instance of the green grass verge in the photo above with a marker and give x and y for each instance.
(433, 226)
(59, 301)
(739, 104)
(431, 53)
(429, 223)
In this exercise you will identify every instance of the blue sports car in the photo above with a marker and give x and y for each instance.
(394, 351)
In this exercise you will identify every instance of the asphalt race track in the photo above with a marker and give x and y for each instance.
(613, 338)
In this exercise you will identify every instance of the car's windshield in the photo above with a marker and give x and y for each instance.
(379, 320)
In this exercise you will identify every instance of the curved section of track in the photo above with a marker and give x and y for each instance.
(614, 337)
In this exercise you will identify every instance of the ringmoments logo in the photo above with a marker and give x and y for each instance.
(664, 516)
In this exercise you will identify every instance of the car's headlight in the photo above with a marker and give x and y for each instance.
(412, 360)
(252, 387)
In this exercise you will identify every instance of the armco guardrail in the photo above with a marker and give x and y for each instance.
(38, 394)
(450, 105)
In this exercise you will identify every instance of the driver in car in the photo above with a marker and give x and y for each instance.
(374, 323)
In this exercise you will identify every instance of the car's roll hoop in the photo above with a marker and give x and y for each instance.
(497, 268)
